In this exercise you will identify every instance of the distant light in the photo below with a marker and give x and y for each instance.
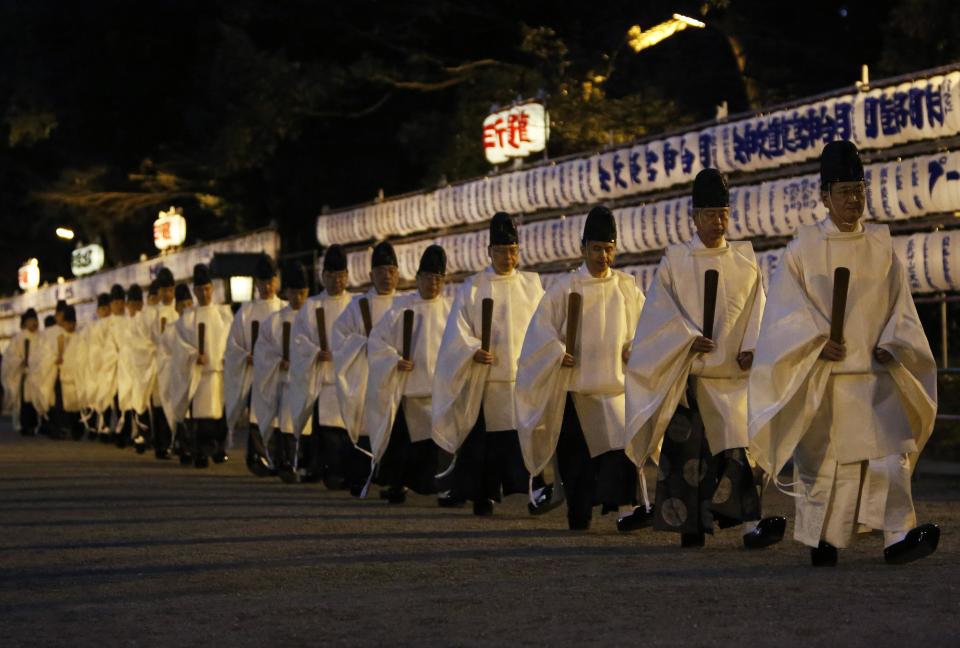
(641, 40)
(241, 289)
(65, 233)
(843, 12)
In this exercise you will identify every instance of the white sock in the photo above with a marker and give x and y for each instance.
(749, 526)
(893, 537)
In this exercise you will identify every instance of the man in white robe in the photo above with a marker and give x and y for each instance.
(270, 394)
(99, 372)
(397, 414)
(136, 367)
(158, 321)
(693, 388)
(60, 370)
(349, 346)
(52, 326)
(239, 364)
(571, 401)
(109, 373)
(16, 361)
(314, 409)
(196, 382)
(852, 413)
(473, 389)
(168, 377)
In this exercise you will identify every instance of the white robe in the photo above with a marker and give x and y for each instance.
(349, 344)
(312, 381)
(660, 357)
(136, 362)
(69, 371)
(14, 373)
(161, 318)
(828, 415)
(461, 385)
(38, 372)
(270, 394)
(101, 370)
(199, 388)
(238, 375)
(387, 386)
(610, 310)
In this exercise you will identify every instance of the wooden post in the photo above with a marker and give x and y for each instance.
(365, 315)
(841, 282)
(711, 278)
(322, 328)
(407, 332)
(486, 322)
(574, 304)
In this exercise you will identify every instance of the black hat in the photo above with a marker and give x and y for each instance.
(103, 299)
(182, 293)
(61, 304)
(840, 162)
(201, 275)
(28, 315)
(710, 190)
(135, 294)
(383, 255)
(266, 268)
(600, 226)
(502, 230)
(434, 260)
(117, 293)
(165, 278)
(335, 260)
(294, 276)
(70, 314)
(152, 288)
(50, 320)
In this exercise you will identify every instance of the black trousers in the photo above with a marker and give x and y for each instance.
(160, 432)
(696, 488)
(207, 437)
(28, 413)
(62, 422)
(609, 479)
(405, 463)
(489, 464)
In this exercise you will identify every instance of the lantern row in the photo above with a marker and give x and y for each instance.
(877, 119)
(899, 190)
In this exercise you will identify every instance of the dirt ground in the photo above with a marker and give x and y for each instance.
(102, 547)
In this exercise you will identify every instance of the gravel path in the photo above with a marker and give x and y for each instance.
(102, 547)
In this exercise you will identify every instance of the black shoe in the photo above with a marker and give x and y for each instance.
(483, 507)
(105, 438)
(334, 482)
(692, 540)
(543, 501)
(220, 457)
(823, 555)
(91, 436)
(769, 531)
(259, 466)
(639, 519)
(919, 543)
(201, 461)
(163, 455)
(396, 495)
(578, 524)
(311, 477)
(446, 499)
(356, 490)
(288, 475)
(185, 459)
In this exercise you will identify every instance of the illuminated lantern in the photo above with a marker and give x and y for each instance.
(170, 229)
(86, 260)
(241, 289)
(29, 275)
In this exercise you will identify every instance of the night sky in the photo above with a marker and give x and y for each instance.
(256, 112)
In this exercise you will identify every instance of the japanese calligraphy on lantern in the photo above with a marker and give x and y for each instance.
(86, 260)
(28, 276)
(170, 229)
(515, 132)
